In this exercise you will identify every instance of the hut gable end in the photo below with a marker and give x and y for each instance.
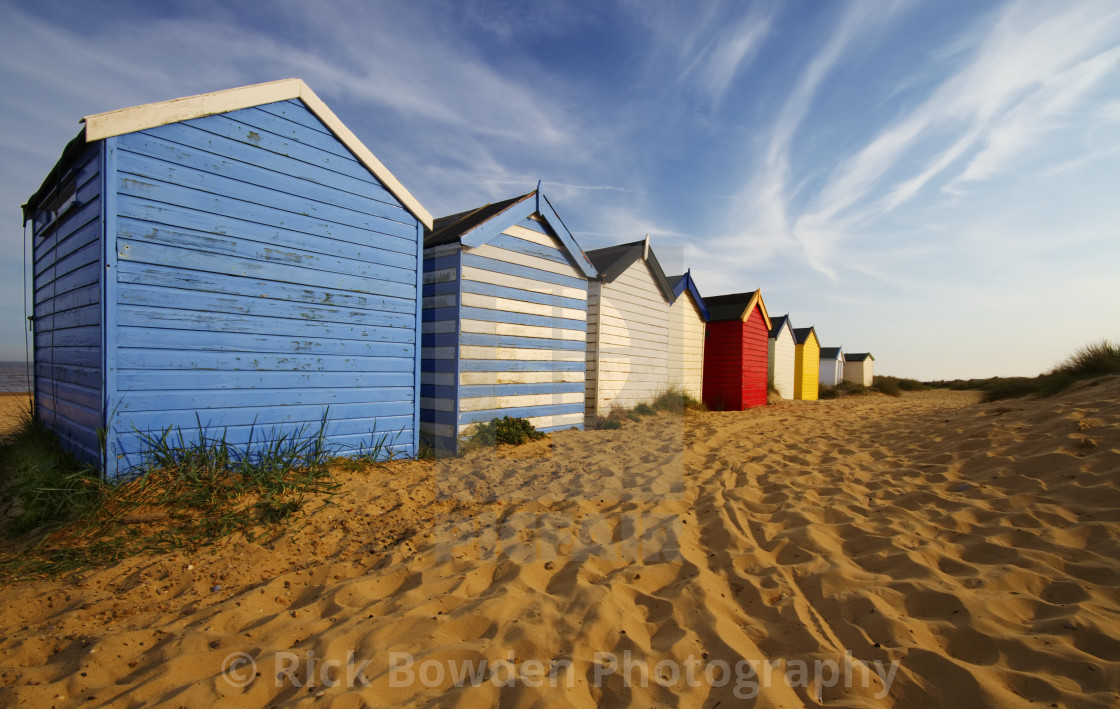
(260, 276)
(505, 300)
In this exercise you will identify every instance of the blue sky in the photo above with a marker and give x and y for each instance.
(936, 182)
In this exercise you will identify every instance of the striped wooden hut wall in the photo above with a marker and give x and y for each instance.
(505, 320)
(688, 318)
(806, 381)
(627, 329)
(782, 356)
(736, 353)
(858, 368)
(261, 272)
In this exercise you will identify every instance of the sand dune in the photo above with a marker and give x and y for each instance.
(974, 546)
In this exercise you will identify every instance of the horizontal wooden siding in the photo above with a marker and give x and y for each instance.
(66, 257)
(522, 331)
(264, 276)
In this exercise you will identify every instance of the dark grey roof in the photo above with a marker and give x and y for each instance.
(449, 229)
(778, 323)
(58, 174)
(673, 281)
(858, 356)
(728, 307)
(830, 353)
(801, 334)
(612, 261)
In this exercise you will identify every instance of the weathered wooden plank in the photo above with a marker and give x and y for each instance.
(144, 159)
(136, 380)
(497, 265)
(469, 417)
(517, 330)
(159, 338)
(509, 353)
(146, 316)
(471, 338)
(235, 285)
(274, 313)
(490, 315)
(278, 246)
(478, 275)
(475, 300)
(507, 365)
(495, 378)
(162, 255)
(525, 296)
(518, 259)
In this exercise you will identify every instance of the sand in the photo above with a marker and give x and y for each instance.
(974, 546)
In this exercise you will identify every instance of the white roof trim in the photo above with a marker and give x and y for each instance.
(129, 120)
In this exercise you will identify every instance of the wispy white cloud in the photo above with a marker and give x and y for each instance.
(766, 197)
(725, 51)
(1044, 110)
(1026, 55)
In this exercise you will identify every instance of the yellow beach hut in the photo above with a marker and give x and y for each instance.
(806, 366)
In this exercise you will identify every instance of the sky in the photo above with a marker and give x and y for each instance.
(935, 182)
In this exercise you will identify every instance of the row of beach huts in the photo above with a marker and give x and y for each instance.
(240, 260)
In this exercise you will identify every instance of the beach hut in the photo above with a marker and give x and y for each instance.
(806, 385)
(781, 356)
(236, 259)
(627, 328)
(505, 320)
(688, 318)
(736, 353)
(858, 368)
(832, 366)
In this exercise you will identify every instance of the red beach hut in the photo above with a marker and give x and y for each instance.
(736, 352)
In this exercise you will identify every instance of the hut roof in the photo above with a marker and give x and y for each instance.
(680, 283)
(801, 335)
(830, 352)
(858, 356)
(130, 120)
(612, 262)
(475, 227)
(737, 306)
(776, 325)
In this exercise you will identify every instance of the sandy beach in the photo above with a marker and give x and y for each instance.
(940, 551)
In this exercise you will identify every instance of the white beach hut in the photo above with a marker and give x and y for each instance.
(832, 366)
(782, 352)
(627, 328)
(688, 318)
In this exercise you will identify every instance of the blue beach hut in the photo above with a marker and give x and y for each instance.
(505, 320)
(238, 259)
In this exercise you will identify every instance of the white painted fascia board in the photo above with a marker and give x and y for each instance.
(129, 120)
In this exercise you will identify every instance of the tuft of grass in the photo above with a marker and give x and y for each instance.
(676, 400)
(191, 491)
(891, 386)
(1095, 360)
(840, 390)
(673, 399)
(886, 385)
(507, 430)
(45, 483)
(1089, 362)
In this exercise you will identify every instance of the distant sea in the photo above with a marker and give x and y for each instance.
(14, 376)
